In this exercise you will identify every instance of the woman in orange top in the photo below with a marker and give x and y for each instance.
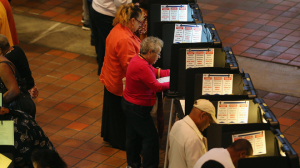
(121, 45)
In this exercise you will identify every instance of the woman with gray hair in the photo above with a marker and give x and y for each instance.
(139, 97)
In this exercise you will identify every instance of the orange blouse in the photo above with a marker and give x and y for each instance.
(121, 46)
(11, 22)
(4, 25)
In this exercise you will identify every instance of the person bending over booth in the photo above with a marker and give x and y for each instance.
(138, 99)
(121, 46)
(229, 157)
(187, 144)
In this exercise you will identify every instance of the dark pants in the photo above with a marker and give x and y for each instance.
(113, 128)
(101, 26)
(141, 135)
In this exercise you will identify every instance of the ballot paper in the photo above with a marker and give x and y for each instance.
(232, 112)
(7, 133)
(4, 161)
(257, 140)
(165, 13)
(198, 58)
(173, 12)
(187, 33)
(164, 79)
(217, 84)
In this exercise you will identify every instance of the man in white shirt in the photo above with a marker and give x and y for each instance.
(229, 157)
(187, 144)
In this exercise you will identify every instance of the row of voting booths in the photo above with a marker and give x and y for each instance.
(201, 68)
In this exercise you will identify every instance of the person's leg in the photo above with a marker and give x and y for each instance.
(150, 152)
(92, 34)
(141, 121)
(94, 28)
(85, 15)
(133, 140)
(105, 26)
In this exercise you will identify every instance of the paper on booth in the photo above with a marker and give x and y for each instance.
(165, 13)
(187, 33)
(173, 12)
(182, 13)
(257, 140)
(164, 79)
(232, 112)
(197, 58)
(7, 133)
(220, 84)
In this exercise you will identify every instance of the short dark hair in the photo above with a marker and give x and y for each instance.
(242, 144)
(212, 164)
(4, 44)
(47, 158)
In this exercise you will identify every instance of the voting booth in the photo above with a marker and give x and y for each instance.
(202, 34)
(161, 12)
(6, 142)
(270, 148)
(189, 55)
(282, 155)
(216, 86)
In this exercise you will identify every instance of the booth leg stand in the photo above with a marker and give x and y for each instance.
(170, 122)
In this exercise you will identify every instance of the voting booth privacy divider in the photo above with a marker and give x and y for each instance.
(173, 34)
(6, 141)
(210, 60)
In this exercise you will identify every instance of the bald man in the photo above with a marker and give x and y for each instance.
(187, 144)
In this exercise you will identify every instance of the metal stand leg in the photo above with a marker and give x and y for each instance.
(170, 122)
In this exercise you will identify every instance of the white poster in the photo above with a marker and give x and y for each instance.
(197, 32)
(178, 34)
(190, 59)
(165, 13)
(200, 57)
(207, 85)
(222, 113)
(233, 112)
(227, 84)
(217, 85)
(257, 140)
(182, 13)
(189, 33)
(221, 84)
(209, 58)
(173, 13)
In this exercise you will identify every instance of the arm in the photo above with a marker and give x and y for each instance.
(19, 59)
(163, 73)
(193, 151)
(147, 77)
(10, 83)
(125, 51)
(121, 2)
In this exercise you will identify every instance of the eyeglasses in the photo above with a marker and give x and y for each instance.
(158, 54)
(140, 22)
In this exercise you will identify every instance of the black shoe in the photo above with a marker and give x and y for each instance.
(85, 27)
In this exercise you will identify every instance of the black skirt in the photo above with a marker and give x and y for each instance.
(113, 128)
